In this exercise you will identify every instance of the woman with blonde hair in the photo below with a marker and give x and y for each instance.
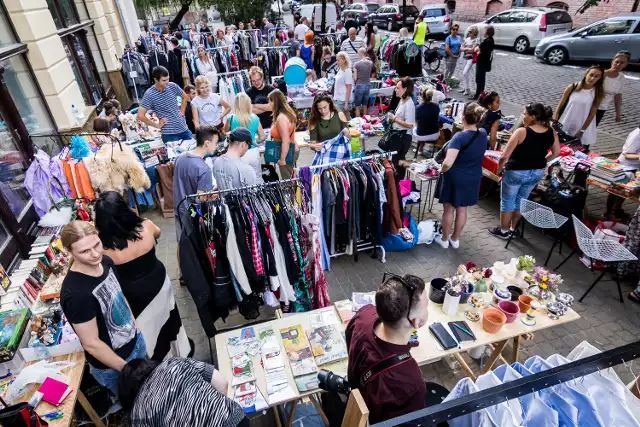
(343, 83)
(577, 109)
(244, 117)
(206, 105)
(467, 49)
(283, 130)
(307, 50)
(94, 304)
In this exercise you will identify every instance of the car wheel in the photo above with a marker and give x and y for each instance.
(390, 26)
(521, 45)
(556, 56)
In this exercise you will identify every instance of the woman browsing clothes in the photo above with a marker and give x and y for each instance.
(577, 108)
(205, 67)
(130, 243)
(459, 182)
(283, 130)
(524, 161)
(94, 304)
(343, 83)
(325, 122)
(243, 117)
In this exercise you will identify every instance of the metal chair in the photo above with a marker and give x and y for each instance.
(542, 217)
(607, 251)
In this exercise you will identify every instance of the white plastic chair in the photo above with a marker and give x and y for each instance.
(542, 217)
(607, 251)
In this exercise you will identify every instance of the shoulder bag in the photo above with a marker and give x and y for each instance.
(392, 139)
(442, 153)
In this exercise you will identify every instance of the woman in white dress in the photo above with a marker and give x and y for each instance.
(205, 67)
(613, 84)
(579, 104)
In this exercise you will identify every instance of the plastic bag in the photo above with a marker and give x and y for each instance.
(270, 299)
(428, 229)
(35, 374)
(395, 242)
(610, 230)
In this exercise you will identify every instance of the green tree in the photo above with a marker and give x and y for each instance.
(231, 11)
(590, 3)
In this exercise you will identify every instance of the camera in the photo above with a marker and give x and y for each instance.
(331, 382)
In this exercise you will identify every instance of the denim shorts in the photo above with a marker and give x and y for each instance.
(339, 105)
(109, 377)
(361, 95)
(170, 137)
(517, 185)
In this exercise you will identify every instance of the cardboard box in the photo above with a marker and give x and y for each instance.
(31, 354)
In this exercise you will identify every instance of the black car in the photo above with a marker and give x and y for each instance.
(360, 11)
(390, 16)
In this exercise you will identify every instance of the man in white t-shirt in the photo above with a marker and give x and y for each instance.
(302, 29)
(351, 45)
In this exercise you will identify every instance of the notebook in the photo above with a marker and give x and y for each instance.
(54, 391)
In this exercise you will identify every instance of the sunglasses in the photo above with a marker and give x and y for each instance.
(409, 286)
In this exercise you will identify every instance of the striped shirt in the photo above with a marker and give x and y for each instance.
(165, 105)
(351, 48)
(179, 393)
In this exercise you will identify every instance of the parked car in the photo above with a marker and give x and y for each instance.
(361, 11)
(390, 16)
(437, 17)
(598, 41)
(524, 27)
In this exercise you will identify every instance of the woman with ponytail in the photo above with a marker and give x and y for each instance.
(524, 161)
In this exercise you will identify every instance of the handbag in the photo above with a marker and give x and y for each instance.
(474, 58)
(442, 153)
(391, 140)
(20, 415)
(564, 105)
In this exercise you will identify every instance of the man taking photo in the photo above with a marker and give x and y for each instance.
(380, 364)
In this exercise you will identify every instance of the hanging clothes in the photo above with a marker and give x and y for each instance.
(40, 177)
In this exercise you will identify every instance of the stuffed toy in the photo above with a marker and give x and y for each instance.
(116, 167)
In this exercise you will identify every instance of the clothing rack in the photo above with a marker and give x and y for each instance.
(248, 187)
(361, 245)
(231, 72)
(358, 159)
(518, 388)
(272, 47)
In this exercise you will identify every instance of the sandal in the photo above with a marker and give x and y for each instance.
(634, 297)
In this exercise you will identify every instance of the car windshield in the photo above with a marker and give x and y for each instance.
(434, 13)
(410, 9)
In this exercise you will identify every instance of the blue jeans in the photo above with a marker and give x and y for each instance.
(176, 136)
(361, 95)
(339, 105)
(517, 185)
(109, 377)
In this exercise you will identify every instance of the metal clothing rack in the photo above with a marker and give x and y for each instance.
(272, 47)
(228, 73)
(521, 387)
(361, 245)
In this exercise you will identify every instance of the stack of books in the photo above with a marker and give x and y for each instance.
(607, 171)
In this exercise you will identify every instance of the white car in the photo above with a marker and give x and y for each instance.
(524, 27)
(437, 18)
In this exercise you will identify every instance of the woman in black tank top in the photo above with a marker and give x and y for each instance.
(524, 161)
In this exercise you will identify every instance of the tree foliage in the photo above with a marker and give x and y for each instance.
(590, 3)
(231, 11)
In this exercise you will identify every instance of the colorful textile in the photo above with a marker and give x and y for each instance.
(36, 181)
(333, 150)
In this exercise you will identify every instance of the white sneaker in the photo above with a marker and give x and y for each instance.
(455, 244)
(462, 90)
(438, 240)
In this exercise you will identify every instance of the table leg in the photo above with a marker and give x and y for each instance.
(276, 415)
(466, 367)
(497, 351)
(516, 349)
(420, 210)
(292, 412)
(93, 416)
(319, 409)
(431, 195)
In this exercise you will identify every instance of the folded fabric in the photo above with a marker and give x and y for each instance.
(333, 150)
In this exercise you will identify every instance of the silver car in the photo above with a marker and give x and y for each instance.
(524, 27)
(598, 41)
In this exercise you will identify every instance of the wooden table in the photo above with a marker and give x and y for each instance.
(427, 352)
(224, 362)
(605, 187)
(74, 378)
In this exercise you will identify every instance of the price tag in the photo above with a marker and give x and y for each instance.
(133, 74)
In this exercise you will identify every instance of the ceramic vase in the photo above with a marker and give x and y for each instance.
(450, 305)
(481, 286)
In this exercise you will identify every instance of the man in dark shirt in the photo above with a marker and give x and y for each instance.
(259, 92)
(378, 333)
(483, 63)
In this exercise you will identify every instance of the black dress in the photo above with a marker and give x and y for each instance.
(148, 291)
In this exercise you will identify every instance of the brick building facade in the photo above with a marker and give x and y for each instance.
(475, 10)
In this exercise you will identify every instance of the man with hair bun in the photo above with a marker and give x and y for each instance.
(378, 336)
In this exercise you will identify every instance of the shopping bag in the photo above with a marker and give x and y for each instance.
(610, 230)
(20, 415)
(391, 140)
(272, 151)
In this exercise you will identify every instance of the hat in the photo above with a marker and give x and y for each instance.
(241, 134)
